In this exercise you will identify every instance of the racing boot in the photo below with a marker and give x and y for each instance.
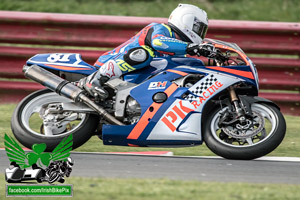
(93, 84)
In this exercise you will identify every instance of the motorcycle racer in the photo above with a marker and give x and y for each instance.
(186, 28)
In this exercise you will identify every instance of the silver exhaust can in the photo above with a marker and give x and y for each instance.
(52, 81)
(65, 88)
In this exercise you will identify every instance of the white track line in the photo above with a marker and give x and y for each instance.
(265, 158)
(283, 159)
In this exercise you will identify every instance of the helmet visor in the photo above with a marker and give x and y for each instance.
(200, 28)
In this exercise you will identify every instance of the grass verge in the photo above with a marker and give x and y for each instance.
(163, 189)
(289, 147)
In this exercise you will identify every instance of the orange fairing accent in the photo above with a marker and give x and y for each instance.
(68, 68)
(231, 49)
(177, 72)
(143, 122)
(133, 145)
(234, 71)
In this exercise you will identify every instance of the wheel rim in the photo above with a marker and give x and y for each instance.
(270, 121)
(34, 106)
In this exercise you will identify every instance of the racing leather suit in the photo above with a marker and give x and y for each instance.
(155, 40)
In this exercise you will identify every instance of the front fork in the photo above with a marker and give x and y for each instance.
(238, 109)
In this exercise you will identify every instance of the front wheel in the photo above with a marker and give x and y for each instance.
(29, 124)
(262, 133)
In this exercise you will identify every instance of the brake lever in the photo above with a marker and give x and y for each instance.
(221, 57)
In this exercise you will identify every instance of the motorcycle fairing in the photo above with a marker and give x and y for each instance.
(171, 122)
(244, 73)
(178, 121)
(191, 65)
(66, 62)
(158, 65)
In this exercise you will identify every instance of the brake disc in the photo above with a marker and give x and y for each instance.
(249, 130)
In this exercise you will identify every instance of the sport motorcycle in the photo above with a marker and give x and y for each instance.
(174, 102)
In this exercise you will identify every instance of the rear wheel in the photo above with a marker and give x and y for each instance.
(28, 123)
(260, 135)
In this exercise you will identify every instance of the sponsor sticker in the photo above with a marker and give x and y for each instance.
(173, 118)
(157, 85)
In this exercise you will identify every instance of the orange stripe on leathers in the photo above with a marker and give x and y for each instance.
(143, 122)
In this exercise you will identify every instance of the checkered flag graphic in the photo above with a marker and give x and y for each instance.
(209, 81)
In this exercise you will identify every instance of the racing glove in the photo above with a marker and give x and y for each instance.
(204, 49)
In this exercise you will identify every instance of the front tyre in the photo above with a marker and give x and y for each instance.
(28, 126)
(264, 133)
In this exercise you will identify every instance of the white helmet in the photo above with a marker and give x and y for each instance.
(189, 22)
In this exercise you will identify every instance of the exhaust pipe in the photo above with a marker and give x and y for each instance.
(65, 88)
(53, 82)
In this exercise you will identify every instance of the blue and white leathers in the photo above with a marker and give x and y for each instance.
(155, 40)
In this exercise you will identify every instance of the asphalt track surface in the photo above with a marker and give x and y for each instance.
(180, 168)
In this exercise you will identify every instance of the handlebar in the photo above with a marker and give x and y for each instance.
(216, 54)
(221, 57)
(208, 50)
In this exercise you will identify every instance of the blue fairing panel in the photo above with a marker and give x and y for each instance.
(158, 65)
(67, 62)
(113, 136)
(177, 61)
(143, 94)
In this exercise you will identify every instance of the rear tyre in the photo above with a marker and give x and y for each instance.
(27, 125)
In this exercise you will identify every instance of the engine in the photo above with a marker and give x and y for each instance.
(132, 111)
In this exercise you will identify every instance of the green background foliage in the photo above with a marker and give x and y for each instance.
(260, 10)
